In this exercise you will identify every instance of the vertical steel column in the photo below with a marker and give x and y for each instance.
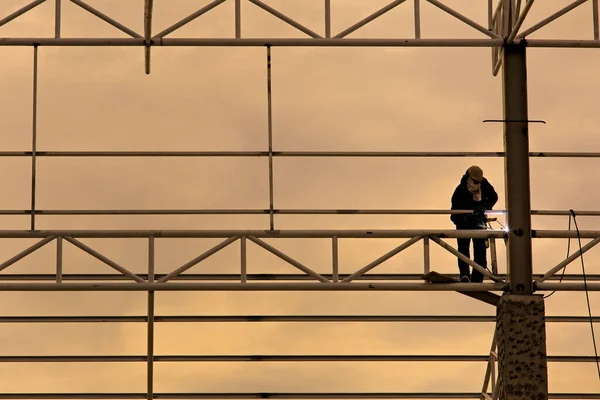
(522, 361)
(491, 16)
(238, 19)
(335, 259)
(417, 19)
(34, 135)
(596, 17)
(328, 19)
(243, 258)
(516, 168)
(148, 6)
(426, 256)
(150, 327)
(270, 138)
(57, 19)
(59, 259)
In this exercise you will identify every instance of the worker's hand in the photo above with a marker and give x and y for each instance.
(472, 220)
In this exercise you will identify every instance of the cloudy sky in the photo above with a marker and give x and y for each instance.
(400, 99)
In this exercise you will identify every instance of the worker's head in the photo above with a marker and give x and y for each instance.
(475, 173)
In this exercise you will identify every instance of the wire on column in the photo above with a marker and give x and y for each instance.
(587, 294)
(562, 275)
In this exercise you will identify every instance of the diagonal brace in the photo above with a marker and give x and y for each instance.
(551, 18)
(464, 19)
(21, 11)
(285, 19)
(381, 259)
(568, 260)
(490, 368)
(519, 23)
(26, 252)
(368, 19)
(466, 259)
(189, 18)
(104, 259)
(107, 19)
(198, 259)
(289, 259)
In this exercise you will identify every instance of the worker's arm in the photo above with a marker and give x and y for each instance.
(492, 196)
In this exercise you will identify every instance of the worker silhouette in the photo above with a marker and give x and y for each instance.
(473, 193)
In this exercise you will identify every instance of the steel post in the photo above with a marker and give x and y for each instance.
(521, 315)
(34, 135)
(516, 146)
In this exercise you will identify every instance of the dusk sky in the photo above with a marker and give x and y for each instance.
(337, 99)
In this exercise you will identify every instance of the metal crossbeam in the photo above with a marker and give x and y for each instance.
(315, 234)
(261, 287)
(298, 234)
(300, 154)
(258, 277)
(283, 42)
(277, 358)
(288, 396)
(239, 211)
(277, 318)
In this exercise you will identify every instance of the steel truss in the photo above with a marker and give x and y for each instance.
(312, 280)
(504, 27)
(505, 19)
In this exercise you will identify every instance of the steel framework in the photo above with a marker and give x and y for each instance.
(502, 32)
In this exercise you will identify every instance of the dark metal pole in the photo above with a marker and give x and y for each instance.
(34, 135)
(150, 325)
(516, 146)
(270, 139)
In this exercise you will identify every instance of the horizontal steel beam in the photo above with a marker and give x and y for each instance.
(280, 286)
(288, 396)
(215, 286)
(254, 42)
(308, 286)
(278, 318)
(560, 234)
(277, 358)
(236, 212)
(291, 42)
(257, 277)
(390, 234)
(294, 154)
(341, 234)
(568, 287)
(585, 213)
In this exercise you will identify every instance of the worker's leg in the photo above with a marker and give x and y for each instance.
(464, 245)
(480, 252)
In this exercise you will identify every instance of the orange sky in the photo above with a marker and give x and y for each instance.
(400, 99)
